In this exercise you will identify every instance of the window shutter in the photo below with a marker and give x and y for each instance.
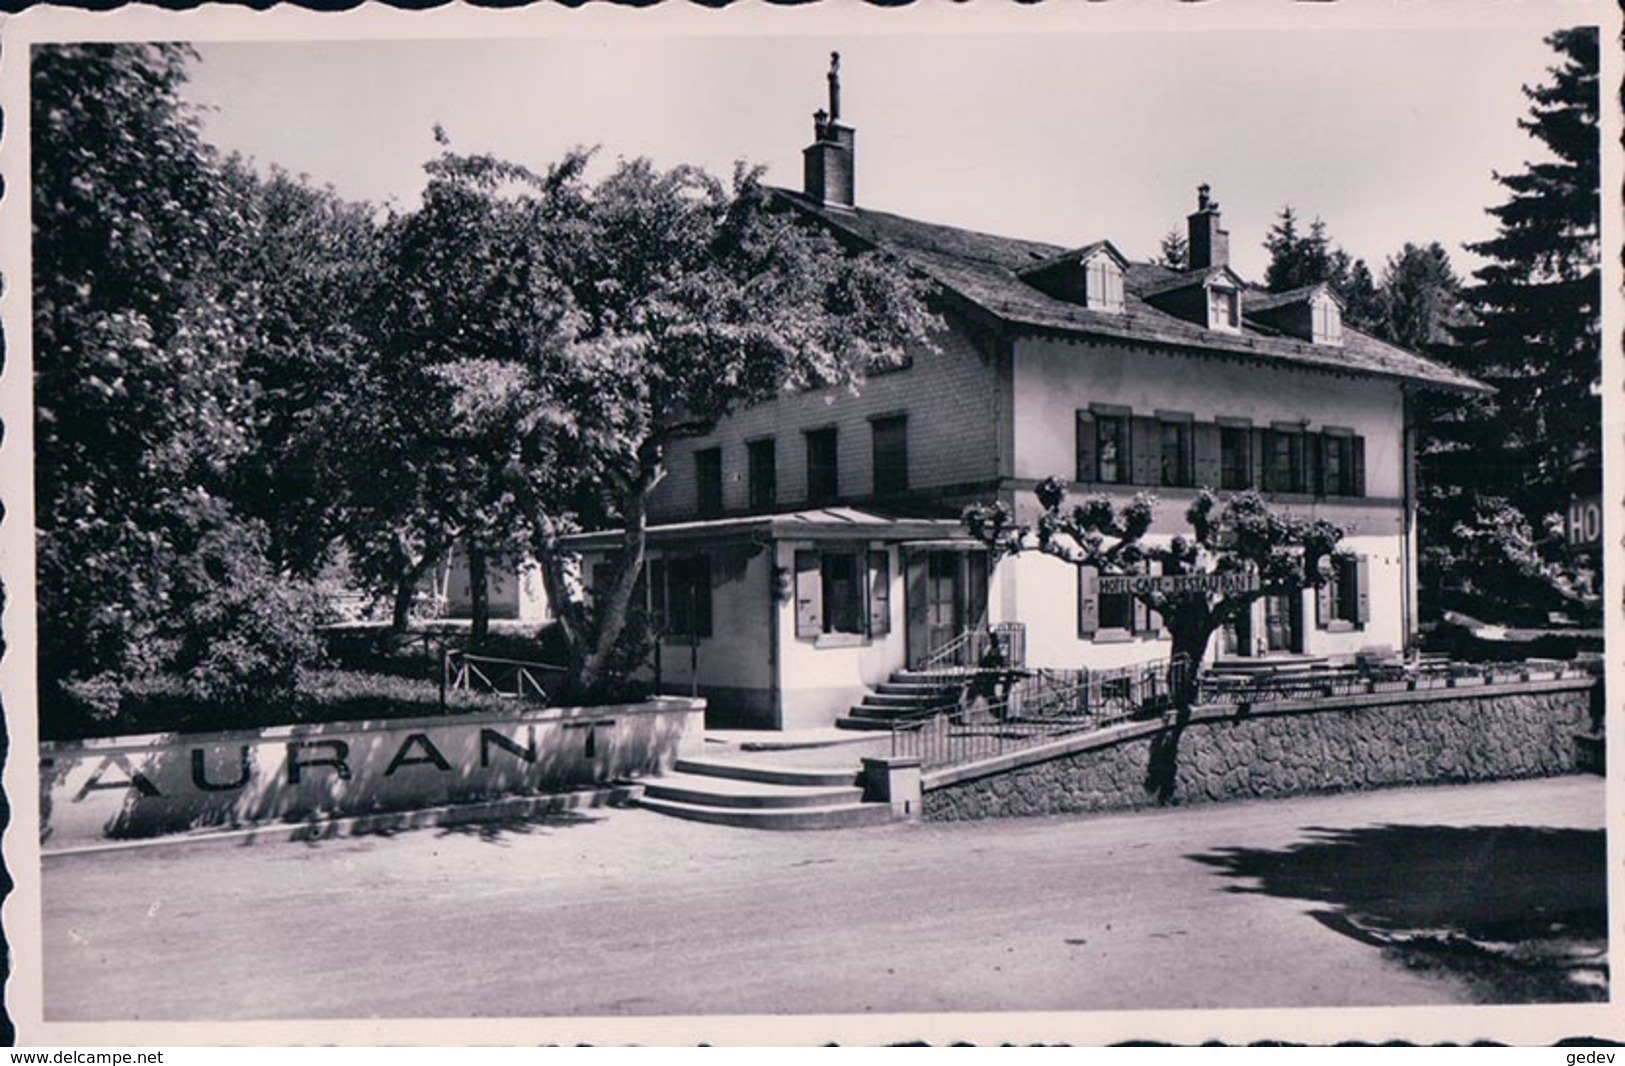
(1087, 466)
(1322, 444)
(879, 594)
(1362, 589)
(1142, 616)
(809, 595)
(1359, 466)
(1256, 469)
(1324, 596)
(1207, 455)
(1145, 451)
(1088, 601)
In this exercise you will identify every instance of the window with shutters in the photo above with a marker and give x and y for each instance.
(1286, 468)
(1103, 284)
(708, 480)
(1235, 457)
(1177, 462)
(1344, 602)
(1223, 308)
(1327, 324)
(890, 454)
(1111, 450)
(764, 474)
(823, 479)
(1112, 616)
(680, 595)
(842, 593)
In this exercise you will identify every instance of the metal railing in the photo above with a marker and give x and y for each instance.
(1414, 676)
(999, 711)
(464, 672)
(1007, 642)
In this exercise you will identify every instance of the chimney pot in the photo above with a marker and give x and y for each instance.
(1209, 243)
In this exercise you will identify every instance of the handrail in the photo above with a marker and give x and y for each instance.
(512, 678)
(1010, 637)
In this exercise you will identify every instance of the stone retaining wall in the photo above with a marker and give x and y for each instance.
(1515, 730)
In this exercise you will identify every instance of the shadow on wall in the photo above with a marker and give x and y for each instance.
(1517, 914)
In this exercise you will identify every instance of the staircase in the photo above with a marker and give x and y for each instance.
(909, 692)
(757, 796)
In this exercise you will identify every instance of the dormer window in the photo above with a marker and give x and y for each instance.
(1103, 284)
(1223, 308)
(1327, 320)
(1091, 277)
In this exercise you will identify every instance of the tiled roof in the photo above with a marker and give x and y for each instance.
(1259, 300)
(983, 268)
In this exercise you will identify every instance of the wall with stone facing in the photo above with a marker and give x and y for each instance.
(1514, 730)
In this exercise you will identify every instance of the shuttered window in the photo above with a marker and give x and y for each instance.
(1344, 602)
(708, 480)
(764, 474)
(890, 454)
(842, 592)
(680, 595)
(1235, 458)
(823, 476)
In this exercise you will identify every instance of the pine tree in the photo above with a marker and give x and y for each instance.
(1496, 472)
(1538, 334)
(1175, 251)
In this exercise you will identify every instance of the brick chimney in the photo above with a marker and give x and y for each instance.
(1209, 245)
(828, 161)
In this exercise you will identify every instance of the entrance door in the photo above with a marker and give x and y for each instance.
(1282, 623)
(946, 594)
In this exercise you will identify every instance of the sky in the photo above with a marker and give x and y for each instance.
(1388, 134)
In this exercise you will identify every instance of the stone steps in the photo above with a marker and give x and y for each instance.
(759, 795)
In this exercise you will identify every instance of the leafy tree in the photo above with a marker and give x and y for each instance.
(468, 345)
(142, 407)
(689, 299)
(1240, 536)
(1174, 251)
(310, 263)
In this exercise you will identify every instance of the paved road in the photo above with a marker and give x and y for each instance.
(622, 912)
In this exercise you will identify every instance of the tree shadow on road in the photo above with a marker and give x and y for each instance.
(503, 830)
(1517, 914)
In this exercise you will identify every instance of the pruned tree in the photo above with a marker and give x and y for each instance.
(1262, 550)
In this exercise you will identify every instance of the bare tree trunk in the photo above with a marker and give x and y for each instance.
(479, 596)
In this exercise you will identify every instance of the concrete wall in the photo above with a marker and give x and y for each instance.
(949, 397)
(125, 787)
(1503, 731)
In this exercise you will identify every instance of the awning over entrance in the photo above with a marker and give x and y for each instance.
(822, 523)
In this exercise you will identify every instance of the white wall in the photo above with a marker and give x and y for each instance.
(1044, 591)
(821, 678)
(1055, 379)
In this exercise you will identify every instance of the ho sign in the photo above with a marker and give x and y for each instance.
(1584, 525)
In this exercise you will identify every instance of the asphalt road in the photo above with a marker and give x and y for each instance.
(1400, 897)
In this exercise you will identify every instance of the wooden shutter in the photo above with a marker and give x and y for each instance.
(1088, 468)
(1321, 444)
(1145, 451)
(809, 594)
(1362, 589)
(1359, 466)
(1206, 447)
(1324, 604)
(1258, 465)
(879, 593)
(1088, 601)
